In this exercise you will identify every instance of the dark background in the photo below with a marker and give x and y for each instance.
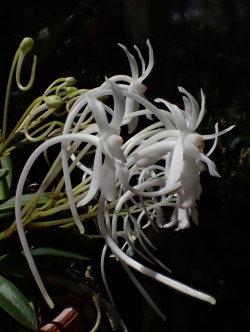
(197, 44)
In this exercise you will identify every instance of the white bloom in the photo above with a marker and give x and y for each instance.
(183, 147)
(136, 82)
(158, 167)
(105, 173)
(136, 85)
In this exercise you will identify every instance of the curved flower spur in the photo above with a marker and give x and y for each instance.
(131, 178)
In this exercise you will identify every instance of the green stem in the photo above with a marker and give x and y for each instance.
(7, 95)
(15, 129)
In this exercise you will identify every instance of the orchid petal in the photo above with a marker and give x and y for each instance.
(194, 215)
(176, 164)
(210, 164)
(194, 109)
(150, 64)
(108, 180)
(173, 219)
(118, 154)
(203, 109)
(190, 182)
(178, 115)
(183, 219)
(98, 112)
(131, 107)
(190, 149)
(123, 173)
(222, 132)
(141, 58)
(95, 181)
(132, 62)
(215, 141)
(187, 106)
(119, 106)
(155, 151)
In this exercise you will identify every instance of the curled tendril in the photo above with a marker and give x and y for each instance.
(25, 46)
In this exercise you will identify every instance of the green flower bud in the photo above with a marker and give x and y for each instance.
(70, 80)
(26, 44)
(53, 101)
(71, 89)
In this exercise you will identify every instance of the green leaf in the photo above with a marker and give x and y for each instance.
(46, 251)
(9, 205)
(16, 305)
(13, 263)
(3, 173)
(5, 177)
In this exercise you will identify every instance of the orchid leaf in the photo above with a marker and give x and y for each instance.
(53, 257)
(44, 256)
(16, 305)
(9, 205)
(3, 173)
(5, 177)
(46, 251)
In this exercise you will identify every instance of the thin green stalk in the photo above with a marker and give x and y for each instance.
(7, 95)
(15, 129)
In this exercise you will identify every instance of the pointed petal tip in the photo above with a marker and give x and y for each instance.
(79, 204)
(212, 300)
(122, 46)
(181, 89)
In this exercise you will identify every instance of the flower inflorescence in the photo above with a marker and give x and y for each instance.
(130, 171)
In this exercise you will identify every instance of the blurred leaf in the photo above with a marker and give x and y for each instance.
(16, 305)
(66, 239)
(5, 177)
(46, 251)
(3, 173)
(14, 263)
(9, 205)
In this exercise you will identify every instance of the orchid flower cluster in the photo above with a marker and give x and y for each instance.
(135, 158)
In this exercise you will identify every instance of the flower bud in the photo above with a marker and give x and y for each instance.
(70, 89)
(70, 81)
(53, 101)
(26, 44)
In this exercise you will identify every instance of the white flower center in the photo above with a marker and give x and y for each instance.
(196, 140)
(114, 140)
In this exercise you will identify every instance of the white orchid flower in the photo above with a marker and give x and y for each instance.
(132, 83)
(133, 179)
(136, 82)
(183, 147)
(105, 173)
(136, 85)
